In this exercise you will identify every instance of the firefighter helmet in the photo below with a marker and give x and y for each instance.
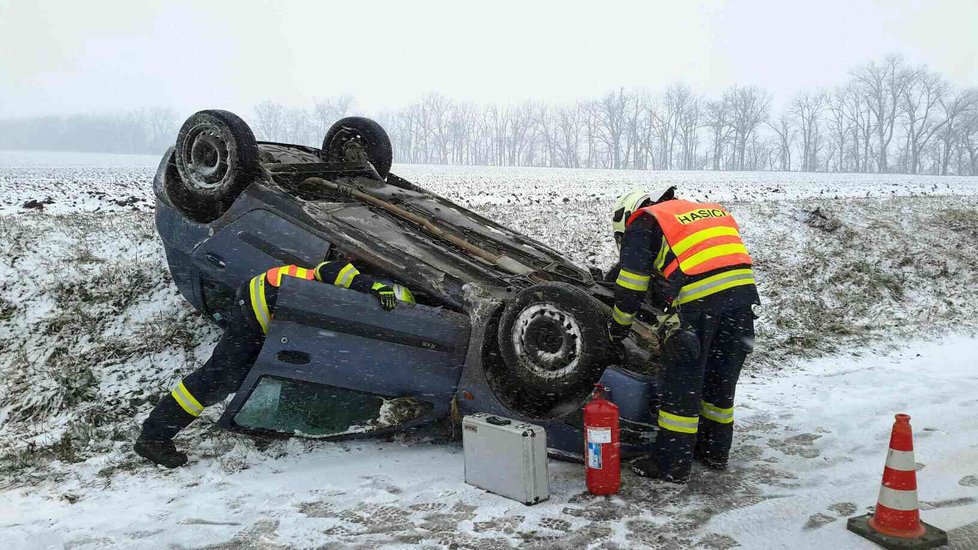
(633, 200)
(626, 205)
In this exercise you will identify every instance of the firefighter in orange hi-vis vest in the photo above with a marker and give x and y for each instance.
(237, 350)
(687, 258)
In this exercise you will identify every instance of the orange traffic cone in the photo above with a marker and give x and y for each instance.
(896, 524)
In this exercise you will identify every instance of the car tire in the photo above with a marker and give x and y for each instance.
(358, 139)
(216, 158)
(553, 339)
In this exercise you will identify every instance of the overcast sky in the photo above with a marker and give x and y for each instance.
(71, 56)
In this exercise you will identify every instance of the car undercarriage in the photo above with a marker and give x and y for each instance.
(503, 323)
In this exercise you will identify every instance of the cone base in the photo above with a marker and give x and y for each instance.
(932, 537)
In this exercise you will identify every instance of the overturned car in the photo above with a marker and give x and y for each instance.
(503, 324)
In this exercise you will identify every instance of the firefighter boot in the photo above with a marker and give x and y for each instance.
(163, 453)
(713, 444)
(710, 461)
(648, 467)
(155, 443)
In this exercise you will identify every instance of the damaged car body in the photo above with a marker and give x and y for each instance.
(503, 324)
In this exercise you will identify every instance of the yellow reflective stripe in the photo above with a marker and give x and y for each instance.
(710, 253)
(184, 406)
(676, 423)
(621, 317)
(264, 304)
(186, 400)
(660, 260)
(316, 272)
(345, 277)
(710, 280)
(258, 304)
(712, 285)
(633, 281)
(189, 397)
(716, 414)
(700, 236)
(302, 273)
(685, 299)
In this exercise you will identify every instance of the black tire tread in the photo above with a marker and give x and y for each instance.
(594, 333)
(380, 153)
(204, 206)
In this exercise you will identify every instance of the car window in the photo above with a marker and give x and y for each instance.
(318, 410)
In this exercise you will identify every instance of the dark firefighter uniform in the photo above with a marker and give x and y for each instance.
(238, 349)
(707, 332)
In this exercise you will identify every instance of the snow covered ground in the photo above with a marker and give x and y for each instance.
(809, 453)
(99, 181)
(870, 310)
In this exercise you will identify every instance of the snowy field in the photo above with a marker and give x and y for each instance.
(870, 309)
(101, 181)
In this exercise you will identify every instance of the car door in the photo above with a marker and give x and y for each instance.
(334, 364)
(254, 242)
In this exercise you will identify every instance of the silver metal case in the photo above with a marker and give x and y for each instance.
(506, 457)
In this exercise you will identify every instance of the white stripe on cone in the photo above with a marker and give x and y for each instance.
(895, 499)
(904, 501)
(901, 460)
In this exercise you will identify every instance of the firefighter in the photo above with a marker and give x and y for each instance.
(237, 350)
(691, 257)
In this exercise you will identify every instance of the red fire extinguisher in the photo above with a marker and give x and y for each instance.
(602, 448)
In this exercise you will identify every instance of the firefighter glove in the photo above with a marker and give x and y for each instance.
(386, 295)
(667, 325)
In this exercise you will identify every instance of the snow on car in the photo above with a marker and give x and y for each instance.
(504, 324)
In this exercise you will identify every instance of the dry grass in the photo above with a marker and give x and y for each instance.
(91, 340)
(97, 332)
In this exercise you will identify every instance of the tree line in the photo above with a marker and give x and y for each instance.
(888, 116)
(149, 130)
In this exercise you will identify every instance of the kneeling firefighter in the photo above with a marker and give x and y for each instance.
(238, 349)
(692, 255)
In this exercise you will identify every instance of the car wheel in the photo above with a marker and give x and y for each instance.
(358, 139)
(216, 157)
(553, 339)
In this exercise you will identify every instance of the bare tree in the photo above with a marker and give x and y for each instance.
(883, 84)
(687, 127)
(328, 110)
(957, 108)
(270, 117)
(840, 128)
(717, 121)
(969, 141)
(807, 110)
(887, 117)
(860, 118)
(748, 109)
(612, 110)
(460, 133)
(568, 135)
(298, 127)
(919, 102)
(162, 123)
(786, 136)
